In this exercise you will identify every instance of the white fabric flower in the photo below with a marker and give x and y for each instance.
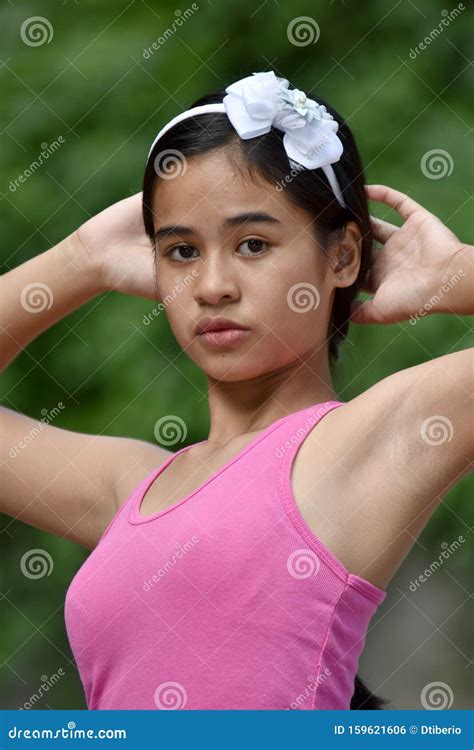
(261, 101)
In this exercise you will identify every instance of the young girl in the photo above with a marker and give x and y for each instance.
(242, 572)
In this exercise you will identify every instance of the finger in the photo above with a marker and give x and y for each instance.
(363, 311)
(382, 230)
(395, 199)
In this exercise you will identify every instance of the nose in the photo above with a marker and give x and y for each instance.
(216, 280)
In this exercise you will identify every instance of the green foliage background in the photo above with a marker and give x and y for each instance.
(92, 85)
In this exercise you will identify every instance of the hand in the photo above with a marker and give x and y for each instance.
(411, 266)
(116, 246)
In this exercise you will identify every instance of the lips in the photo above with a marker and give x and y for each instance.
(206, 325)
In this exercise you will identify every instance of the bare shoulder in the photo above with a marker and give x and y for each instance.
(134, 460)
(68, 483)
(387, 459)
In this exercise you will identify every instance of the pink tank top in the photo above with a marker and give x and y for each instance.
(225, 600)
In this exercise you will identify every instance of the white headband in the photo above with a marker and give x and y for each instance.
(262, 100)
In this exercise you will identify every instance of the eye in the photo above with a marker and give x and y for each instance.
(185, 248)
(254, 245)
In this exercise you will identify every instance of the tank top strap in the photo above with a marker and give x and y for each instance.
(295, 427)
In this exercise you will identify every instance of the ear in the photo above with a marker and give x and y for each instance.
(345, 255)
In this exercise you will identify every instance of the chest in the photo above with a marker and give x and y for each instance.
(315, 484)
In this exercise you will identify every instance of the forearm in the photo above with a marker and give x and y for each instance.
(41, 291)
(456, 287)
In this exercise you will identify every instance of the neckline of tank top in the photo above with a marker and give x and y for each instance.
(135, 517)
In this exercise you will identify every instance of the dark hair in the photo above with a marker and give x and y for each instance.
(309, 189)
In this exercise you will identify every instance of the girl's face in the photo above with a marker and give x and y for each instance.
(228, 247)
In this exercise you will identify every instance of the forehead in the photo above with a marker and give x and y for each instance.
(209, 187)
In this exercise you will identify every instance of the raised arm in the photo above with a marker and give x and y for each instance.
(65, 482)
(409, 437)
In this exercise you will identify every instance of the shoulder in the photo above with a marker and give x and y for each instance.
(133, 460)
(387, 458)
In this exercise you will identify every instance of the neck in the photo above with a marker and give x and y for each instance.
(237, 408)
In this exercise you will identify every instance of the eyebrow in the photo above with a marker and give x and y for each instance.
(232, 221)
